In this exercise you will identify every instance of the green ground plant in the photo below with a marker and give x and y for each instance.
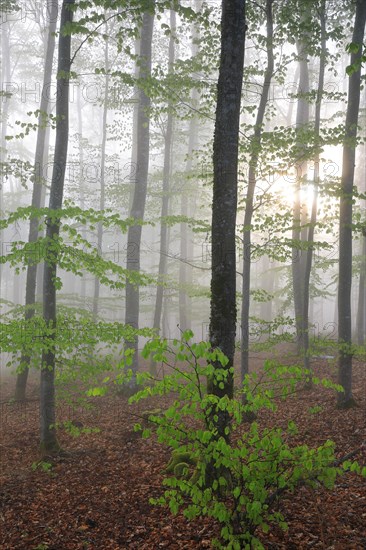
(254, 465)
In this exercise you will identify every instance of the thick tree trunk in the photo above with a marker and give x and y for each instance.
(168, 142)
(345, 399)
(252, 180)
(139, 197)
(38, 185)
(224, 203)
(47, 403)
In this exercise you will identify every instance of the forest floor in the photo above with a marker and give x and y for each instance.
(96, 495)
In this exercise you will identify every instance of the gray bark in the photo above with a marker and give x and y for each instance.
(314, 209)
(139, 196)
(299, 209)
(81, 181)
(38, 193)
(252, 180)
(102, 175)
(186, 235)
(345, 399)
(47, 399)
(168, 142)
(5, 78)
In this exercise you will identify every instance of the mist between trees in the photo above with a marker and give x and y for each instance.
(181, 172)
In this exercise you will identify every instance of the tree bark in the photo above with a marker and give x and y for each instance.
(361, 306)
(345, 399)
(81, 184)
(38, 185)
(224, 202)
(314, 207)
(252, 181)
(102, 175)
(47, 401)
(139, 196)
(186, 235)
(168, 142)
(299, 212)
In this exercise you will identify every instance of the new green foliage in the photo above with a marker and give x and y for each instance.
(254, 464)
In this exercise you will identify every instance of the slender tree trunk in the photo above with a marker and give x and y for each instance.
(81, 182)
(40, 267)
(314, 209)
(47, 403)
(186, 235)
(299, 209)
(38, 184)
(139, 197)
(224, 203)
(345, 399)
(168, 142)
(5, 78)
(252, 180)
(102, 175)
(267, 283)
(361, 306)
(134, 127)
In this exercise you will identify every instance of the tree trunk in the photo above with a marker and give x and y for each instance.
(252, 180)
(345, 399)
(139, 197)
(40, 268)
(5, 78)
(314, 208)
(81, 183)
(299, 215)
(361, 306)
(134, 127)
(102, 176)
(224, 202)
(38, 184)
(168, 142)
(186, 235)
(47, 403)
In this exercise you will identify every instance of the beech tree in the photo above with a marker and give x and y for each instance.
(224, 201)
(314, 208)
(140, 189)
(102, 171)
(346, 399)
(38, 190)
(300, 207)
(168, 142)
(252, 181)
(47, 399)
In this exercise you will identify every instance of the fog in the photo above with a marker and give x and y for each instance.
(104, 95)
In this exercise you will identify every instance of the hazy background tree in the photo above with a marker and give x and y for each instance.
(346, 218)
